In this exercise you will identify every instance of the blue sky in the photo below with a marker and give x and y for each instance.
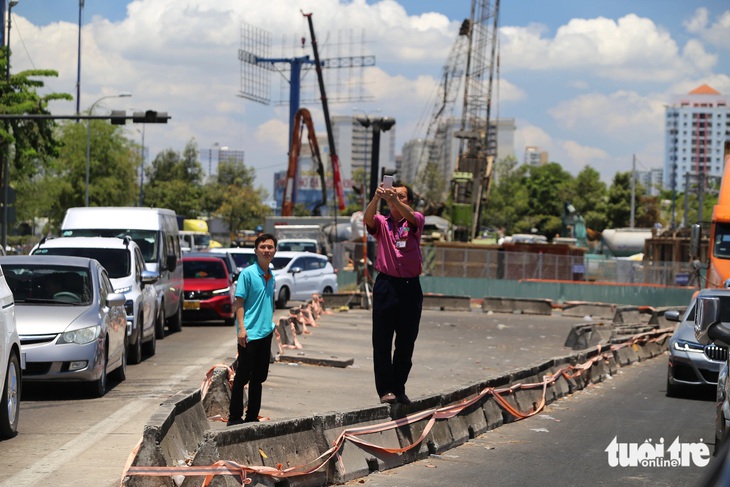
(585, 80)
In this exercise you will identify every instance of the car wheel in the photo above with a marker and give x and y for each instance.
(174, 323)
(283, 297)
(10, 401)
(672, 390)
(135, 349)
(160, 326)
(98, 387)
(120, 373)
(327, 290)
(150, 348)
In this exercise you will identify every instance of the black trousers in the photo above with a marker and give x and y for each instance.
(252, 369)
(397, 305)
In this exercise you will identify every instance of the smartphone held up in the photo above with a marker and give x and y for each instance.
(387, 181)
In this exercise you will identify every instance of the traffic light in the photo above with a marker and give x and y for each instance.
(150, 116)
(118, 117)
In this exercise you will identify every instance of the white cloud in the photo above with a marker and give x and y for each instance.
(717, 33)
(632, 48)
(616, 115)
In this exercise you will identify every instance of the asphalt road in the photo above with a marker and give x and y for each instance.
(68, 439)
(566, 444)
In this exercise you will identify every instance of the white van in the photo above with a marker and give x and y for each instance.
(155, 231)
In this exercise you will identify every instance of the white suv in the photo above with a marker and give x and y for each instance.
(11, 364)
(124, 263)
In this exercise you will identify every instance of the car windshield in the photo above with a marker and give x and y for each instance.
(204, 269)
(116, 261)
(48, 284)
(146, 240)
(280, 262)
(244, 260)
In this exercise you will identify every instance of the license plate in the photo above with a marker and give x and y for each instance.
(191, 304)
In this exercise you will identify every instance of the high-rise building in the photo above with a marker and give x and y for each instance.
(697, 127)
(652, 180)
(534, 156)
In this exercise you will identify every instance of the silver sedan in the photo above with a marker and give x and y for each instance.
(72, 325)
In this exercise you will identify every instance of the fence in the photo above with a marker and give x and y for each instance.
(498, 264)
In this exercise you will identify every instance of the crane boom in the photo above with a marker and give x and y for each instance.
(337, 178)
(287, 203)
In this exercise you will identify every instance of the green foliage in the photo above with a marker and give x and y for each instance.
(175, 181)
(508, 199)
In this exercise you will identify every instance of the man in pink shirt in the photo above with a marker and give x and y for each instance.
(397, 294)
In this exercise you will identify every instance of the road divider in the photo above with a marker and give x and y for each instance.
(344, 445)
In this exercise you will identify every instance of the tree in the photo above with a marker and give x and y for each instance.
(618, 207)
(589, 198)
(61, 183)
(508, 197)
(175, 181)
(31, 142)
(549, 187)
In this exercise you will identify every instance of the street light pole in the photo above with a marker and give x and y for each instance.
(88, 137)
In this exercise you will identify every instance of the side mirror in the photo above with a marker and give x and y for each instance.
(694, 241)
(708, 325)
(295, 270)
(672, 315)
(149, 277)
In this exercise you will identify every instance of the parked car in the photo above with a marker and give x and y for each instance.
(691, 364)
(300, 274)
(71, 323)
(11, 364)
(712, 326)
(208, 290)
(123, 261)
(156, 233)
(222, 254)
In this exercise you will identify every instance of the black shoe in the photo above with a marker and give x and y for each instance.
(388, 398)
(233, 422)
(402, 399)
(251, 420)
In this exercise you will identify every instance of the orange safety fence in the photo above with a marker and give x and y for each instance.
(226, 467)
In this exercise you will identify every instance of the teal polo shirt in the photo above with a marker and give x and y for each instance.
(258, 301)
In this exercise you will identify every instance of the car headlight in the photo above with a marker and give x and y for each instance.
(123, 290)
(221, 291)
(82, 336)
(685, 346)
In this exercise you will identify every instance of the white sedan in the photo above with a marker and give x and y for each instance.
(298, 274)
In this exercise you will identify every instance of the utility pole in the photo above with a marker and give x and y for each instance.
(633, 191)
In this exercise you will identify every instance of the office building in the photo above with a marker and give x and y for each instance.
(697, 128)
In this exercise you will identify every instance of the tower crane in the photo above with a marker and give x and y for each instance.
(471, 63)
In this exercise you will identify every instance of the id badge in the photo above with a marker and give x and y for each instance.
(400, 244)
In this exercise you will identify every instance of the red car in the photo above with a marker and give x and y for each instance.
(208, 290)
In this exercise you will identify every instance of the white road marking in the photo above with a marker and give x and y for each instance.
(46, 466)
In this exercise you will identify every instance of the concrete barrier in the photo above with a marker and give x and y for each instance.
(181, 427)
(529, 306)
(595, 310)
(443, 302)
(338, 300)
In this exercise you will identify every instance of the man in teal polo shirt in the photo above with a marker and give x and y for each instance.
(254, 309)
